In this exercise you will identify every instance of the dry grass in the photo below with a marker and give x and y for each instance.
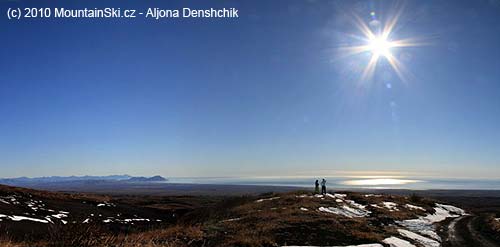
(242, 221)
(5, 242)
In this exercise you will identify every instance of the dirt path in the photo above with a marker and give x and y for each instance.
(461, 232)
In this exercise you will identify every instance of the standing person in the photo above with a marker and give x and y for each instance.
(323, 186)
(316, 187)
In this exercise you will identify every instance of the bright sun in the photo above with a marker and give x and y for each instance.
(377, 43)
(380, 46)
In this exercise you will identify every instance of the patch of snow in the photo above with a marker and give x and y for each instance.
(330, 195)
(372, 195)
(364, 245)
(452, 209)
(229, 220)
(107, 221)
(357, 205)
(346, 211)
(303, 196)
(360, 245)
(336, 195)
(338, 200)
(424, 224)
(419, 238)
(64, 222)
(412, 207)
(375, 206)
(304, 209)
(129, 220)
(59, 216)
(86, 220)
(49, 219)
(431, 234)
(397, 242)
(19, 218)
(391, 206)
(341, 196)
(268, 199)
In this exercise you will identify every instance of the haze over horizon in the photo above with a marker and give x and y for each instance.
(271, 93)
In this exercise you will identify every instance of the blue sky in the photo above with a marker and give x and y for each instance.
(265, 94)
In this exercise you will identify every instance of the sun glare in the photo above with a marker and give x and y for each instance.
(380, 46)
(380, 181)
(378, 43)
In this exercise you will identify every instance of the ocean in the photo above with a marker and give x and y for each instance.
(413, 183)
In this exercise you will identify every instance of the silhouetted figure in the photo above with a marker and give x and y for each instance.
(323, 186)
(316, 187)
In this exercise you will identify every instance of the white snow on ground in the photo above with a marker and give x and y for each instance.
(361, 245)
(111, 219)
(427, 242)
(452, 209)
(424, 224)
(86, 221)
(337, 195)
(391, 206)
(303, 196)
(8, 200)
(372, 195)
(106, 204)
(346, 211)
(129, 220)
(431, 234)
(233, 219)
(397, 242)
(268, 199)
(304, 209)
(59, 216)
(375, 206)
(19, 218)
(352, 209)
(357, 205)
(412, 207)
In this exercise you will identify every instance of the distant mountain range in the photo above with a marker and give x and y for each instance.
(87, 179)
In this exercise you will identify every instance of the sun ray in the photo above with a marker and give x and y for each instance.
(399, 68)
(363, 27)
(378, 41)
(370, 68)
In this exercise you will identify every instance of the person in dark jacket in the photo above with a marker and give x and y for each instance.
(316, 187)
(323, 186)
